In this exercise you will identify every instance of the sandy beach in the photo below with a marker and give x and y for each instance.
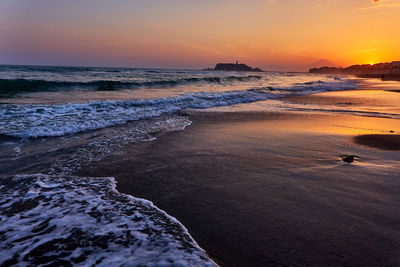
(270, 188)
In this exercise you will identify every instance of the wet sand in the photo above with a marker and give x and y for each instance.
(270, 189)
(382, 141)
(372, 98)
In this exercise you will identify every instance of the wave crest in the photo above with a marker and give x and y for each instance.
(15, 86)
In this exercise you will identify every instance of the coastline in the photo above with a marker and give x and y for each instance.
(269, 188)
(255, 177)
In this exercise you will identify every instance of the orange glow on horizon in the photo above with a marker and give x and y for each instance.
(270, 34)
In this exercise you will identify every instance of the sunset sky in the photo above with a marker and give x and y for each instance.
(272, 34)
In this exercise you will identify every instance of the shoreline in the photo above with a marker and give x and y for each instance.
(270, 188)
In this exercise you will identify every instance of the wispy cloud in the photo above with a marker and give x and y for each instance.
(382, 4)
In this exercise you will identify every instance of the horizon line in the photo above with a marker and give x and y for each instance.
(117, 67)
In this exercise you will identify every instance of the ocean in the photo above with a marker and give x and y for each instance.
(55, 121)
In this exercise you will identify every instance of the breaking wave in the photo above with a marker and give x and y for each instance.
(39, 120)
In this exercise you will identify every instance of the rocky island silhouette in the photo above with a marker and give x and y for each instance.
(234, 67)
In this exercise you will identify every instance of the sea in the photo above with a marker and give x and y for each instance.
(55, 121)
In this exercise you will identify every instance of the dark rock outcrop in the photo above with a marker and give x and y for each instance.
(348, 158)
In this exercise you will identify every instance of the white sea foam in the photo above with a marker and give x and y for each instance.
(84, 221)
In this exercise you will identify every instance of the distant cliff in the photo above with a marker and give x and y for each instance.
(235, 67)
(380, 70)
